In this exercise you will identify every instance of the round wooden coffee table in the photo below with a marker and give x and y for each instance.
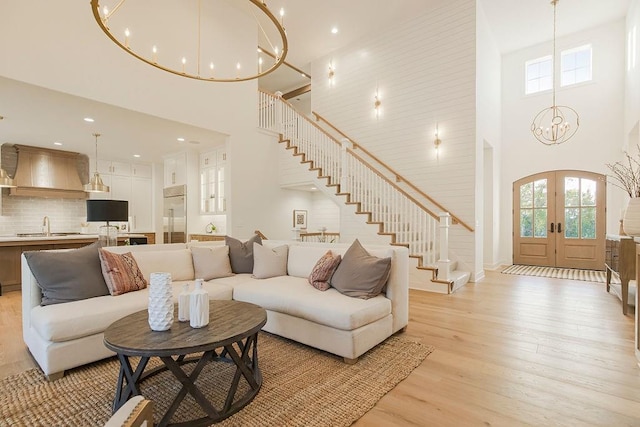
(231, 335)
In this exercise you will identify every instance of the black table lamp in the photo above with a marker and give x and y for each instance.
(108, 210)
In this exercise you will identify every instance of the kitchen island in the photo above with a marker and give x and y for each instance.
(11, 248)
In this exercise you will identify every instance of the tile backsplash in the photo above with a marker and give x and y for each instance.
(25, 215)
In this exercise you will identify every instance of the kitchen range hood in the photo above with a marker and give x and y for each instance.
(43, 172)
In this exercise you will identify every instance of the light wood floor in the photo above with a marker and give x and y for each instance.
(510, 350)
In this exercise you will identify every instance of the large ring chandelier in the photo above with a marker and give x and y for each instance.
(558, 123)
(188, 51)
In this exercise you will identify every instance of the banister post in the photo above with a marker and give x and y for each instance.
(345, 183)
(444, 262)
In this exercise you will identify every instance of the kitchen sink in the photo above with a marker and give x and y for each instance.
(73, 233)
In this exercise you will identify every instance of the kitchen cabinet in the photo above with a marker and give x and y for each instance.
(175, 170)
(213, 182)
(141, 170)
(141, 205)
(114, 168)
(131, 182)
(10, 267)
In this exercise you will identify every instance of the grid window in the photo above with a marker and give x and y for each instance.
(576, 65)
(539, 75)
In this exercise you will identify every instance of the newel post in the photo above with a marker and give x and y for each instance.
(444, 262)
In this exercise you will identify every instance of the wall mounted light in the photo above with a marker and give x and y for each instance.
(437, 141)
(377, 103)
(332, 73)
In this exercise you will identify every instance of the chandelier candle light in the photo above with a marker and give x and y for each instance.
(558, 123)
(201, 37)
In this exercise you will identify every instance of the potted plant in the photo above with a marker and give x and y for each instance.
(626, 176)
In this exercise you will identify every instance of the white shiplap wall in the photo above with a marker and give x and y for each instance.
(425, 73)
(324, 213)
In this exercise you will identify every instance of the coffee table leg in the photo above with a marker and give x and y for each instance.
(188, 386)
(126, 391)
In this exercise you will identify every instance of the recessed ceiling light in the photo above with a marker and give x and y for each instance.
(89, 120)
(334, 30)
(313, 188)
(57, 143)
(194, 142)
(137, 156)
(181, 139)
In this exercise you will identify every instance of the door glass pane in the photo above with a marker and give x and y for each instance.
(588, 190)
(571, 221)
(571, 191)
(588, 222)
(526, 195)
(540, 193)
(540, 223)
(526, 223)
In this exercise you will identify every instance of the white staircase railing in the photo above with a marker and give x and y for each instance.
(397, 213)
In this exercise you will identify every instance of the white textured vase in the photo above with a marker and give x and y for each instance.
(199, 306)
(160, 301)
(631, 220)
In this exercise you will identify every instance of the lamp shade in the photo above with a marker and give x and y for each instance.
(107, 210)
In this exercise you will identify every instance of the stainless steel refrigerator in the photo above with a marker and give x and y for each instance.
(175, 214)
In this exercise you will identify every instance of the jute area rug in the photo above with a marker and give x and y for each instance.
(301, 387)
(560, 273)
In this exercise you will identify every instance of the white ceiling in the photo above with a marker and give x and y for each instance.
(37, 116)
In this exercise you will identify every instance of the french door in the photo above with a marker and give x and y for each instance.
(559, 220)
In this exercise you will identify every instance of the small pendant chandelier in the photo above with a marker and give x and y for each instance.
(96, 185)
(558, 123)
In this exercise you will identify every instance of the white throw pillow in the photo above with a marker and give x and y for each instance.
(269, 262)
(211, 262)
(179, 263)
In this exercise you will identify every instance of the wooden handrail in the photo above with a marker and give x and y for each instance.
(262, 236)
(393, 184)
(326, 233)
(398, 177)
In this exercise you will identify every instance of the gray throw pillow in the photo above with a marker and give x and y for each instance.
(359, 274)
(241, 253)
(68, 276)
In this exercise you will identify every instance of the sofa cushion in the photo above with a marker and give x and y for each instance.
(178, 263)
(323, 270)
(241, 253)
(211, 262)
(60, 322)
(293, 296)
(121, 272)
(68, 275)
(269, 262)
(359, 274)
(302, 259)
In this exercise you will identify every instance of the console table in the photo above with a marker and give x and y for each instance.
(620, 256)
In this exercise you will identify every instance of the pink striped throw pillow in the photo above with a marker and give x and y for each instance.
(323, 270)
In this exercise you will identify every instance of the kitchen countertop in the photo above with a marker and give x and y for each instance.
(16, 239)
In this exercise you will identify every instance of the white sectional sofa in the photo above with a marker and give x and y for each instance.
(67, 335)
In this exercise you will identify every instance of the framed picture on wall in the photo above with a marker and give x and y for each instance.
(299, 219)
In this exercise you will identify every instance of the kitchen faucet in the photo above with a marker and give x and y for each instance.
(45, 223)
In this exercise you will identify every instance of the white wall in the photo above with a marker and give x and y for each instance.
(632, 76)
(324, 213)
(425, 72)
(488, 143)
(599, 139)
